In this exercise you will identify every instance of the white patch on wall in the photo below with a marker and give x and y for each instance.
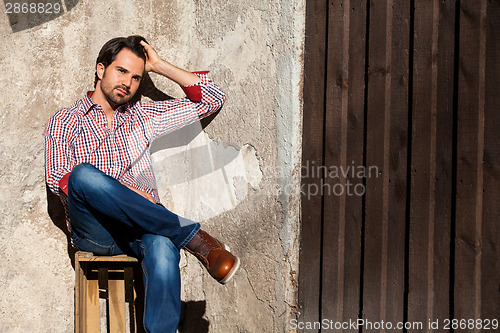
(203, 178)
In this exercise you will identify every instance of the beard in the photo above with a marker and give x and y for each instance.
(119, 95)
(116, 95)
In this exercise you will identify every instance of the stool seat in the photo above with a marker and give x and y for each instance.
(108, 293)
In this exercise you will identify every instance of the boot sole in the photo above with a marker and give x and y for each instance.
(231, 273)
(233, 270)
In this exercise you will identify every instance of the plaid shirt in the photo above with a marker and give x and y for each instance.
(80, 134)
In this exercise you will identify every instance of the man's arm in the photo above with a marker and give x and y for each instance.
(58, 154)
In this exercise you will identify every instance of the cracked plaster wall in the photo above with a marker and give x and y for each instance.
(239, 176)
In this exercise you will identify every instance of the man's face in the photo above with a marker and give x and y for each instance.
(120, 80)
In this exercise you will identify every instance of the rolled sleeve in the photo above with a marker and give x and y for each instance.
(193, 92)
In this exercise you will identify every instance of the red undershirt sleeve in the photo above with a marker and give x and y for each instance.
(63, 183)
(193, 92)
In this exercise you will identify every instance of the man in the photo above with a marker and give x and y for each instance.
(98, 162)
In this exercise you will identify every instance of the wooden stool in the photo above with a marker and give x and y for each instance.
(116, 283)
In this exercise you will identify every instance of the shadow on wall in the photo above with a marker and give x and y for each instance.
(26, 15)
(192, 320)
(58, 217)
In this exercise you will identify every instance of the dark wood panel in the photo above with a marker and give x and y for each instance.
(343, 153)
(444, 180)
(337, 76)
(355, 126)
(467, 292)
(398, 157)
(490, 292)
(422, 162)
(314, 104)
(432, 149)
(378, 107)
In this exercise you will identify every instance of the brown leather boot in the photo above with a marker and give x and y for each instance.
(214, 255)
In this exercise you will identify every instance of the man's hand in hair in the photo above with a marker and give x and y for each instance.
(152, 58)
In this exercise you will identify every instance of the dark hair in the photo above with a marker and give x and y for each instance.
(109, 50)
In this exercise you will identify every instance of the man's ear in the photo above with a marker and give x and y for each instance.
(100, 70)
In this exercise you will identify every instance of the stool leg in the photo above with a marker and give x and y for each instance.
(92, 320)
(117, 322)
(128, 276)
(86, 299)
(79, 294)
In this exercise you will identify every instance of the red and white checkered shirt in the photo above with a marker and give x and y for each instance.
(80, 134)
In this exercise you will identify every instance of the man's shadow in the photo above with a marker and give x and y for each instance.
(26, 15)
(192, 320)
(192, 311)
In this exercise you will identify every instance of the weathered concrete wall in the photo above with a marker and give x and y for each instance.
(239, 176)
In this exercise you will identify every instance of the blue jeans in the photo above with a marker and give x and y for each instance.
(107, 218)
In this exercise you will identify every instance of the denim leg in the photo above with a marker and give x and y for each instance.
(162, 284)
(102, 245)
(95, 197)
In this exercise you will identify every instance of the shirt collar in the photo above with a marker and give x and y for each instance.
(88, 104)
